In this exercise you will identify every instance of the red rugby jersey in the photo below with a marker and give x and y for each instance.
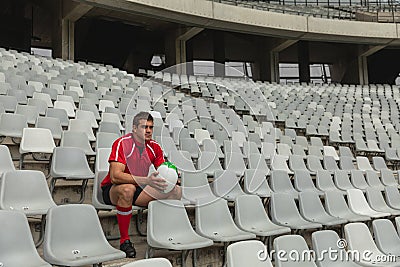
(126, 150)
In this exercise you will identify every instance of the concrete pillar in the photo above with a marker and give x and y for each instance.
(71, 12)
(275, 48)
(219, 53)
(262, 68)
(304, 61)
(180, 48)
(68, 39)
(274, 66)
(363, 70)
(365, 52)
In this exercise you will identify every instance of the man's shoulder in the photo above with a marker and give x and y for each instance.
(124, 137)
(154, 144)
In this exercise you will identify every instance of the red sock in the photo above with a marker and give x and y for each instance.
(124, 219)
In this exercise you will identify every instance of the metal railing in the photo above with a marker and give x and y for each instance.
(387, 11)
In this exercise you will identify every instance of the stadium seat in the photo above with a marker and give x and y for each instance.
(32, 199)
(155, 262)
(255, 183)
(214, 221)
(16, 243)
(327, 240)
(359, 205)
(311, 209)
(35, 140)
(386, 237)
(377, 202)
(6, 162)
(250, 216)
(304, 183)
(280, 183)
(292, 243)
(336, 205)
(168, 227)
(359, 238)
(70, 163)
(226, 185)
(245, 253)
(284, 212)
(74, 237)
(77, 139)
(195, 186)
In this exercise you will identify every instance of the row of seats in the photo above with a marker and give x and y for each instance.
(359, 248)
(68, 241)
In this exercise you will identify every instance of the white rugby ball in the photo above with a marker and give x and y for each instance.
(169, 172)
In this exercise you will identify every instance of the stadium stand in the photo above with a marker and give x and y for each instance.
(281, 158)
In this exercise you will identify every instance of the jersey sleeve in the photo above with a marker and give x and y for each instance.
(117, 152)
(159, 156)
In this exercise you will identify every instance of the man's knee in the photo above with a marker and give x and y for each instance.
(126, 191)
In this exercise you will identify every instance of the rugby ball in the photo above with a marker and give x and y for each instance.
(169, 172)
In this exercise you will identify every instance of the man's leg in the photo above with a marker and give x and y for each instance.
(149, 193)
(121, 196)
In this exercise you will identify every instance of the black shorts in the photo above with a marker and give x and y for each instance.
(106, 194)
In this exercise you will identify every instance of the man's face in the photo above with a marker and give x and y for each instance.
(144, 131)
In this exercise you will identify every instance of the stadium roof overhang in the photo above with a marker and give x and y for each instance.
(153, 14)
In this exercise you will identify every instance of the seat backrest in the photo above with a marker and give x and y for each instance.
(36, 140)
(314, 163)
(303, 181)
(61, 114)
(328, 240)
(310, 205)
(14, 123)
(76, 139)
(379, 163)
(16, 244)
(255, 180)
(257, 161)
(182, 160)
(280, 182)
(167, 220)
(386, 237)
(387, 178)
(324, 181)
(6, 162)
(363, 163)
(358, 179)
(101, 170)
(225, 182)
(330, 163)
(67, 160)
(292, 243)
(283, 207)
(154, 262)
(208, 162)
(373, 180)
(392, 196)
(33, 198)
(357, 200)
(246, 253)
(72, 228)
(195, 185)
(359, 238)
(249, 210)
(342, 180)
(335, 203)
(213, 216)
(105, 140)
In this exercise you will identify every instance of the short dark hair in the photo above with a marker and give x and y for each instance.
(143, 115)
